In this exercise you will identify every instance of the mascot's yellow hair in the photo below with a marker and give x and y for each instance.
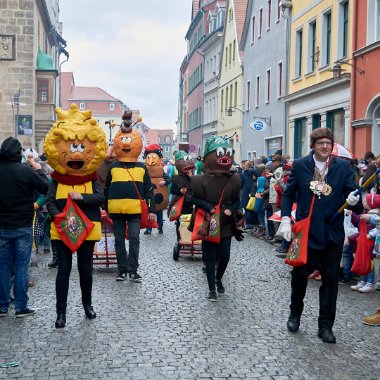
(75, 125)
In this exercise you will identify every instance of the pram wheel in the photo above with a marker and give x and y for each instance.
(176, 252)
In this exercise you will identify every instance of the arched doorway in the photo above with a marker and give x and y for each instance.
(373, 113)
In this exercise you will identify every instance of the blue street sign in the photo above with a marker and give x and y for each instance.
(258, 125)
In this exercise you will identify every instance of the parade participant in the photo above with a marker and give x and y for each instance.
(160, 181)
(128, 181)
(75, 146)
(18, 184)
(218, 186)
(329, 180)
(181, 185)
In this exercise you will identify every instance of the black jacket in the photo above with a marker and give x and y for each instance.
(18, 184)
(340, 178)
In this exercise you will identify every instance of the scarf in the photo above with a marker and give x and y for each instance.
(71, 180)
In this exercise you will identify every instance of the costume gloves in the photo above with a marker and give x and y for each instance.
(285, 229)
(352, 198)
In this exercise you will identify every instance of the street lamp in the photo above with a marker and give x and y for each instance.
(230, 110)
(337, 69)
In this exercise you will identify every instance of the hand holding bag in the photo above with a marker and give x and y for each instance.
(297, 253)
(251, 203)
(364, 247)
(176, 209)
(73, 225)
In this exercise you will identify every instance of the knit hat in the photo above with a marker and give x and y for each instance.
(11, 150)
(373, 200)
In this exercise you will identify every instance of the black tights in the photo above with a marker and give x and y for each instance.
(65, 258)
(213, 252)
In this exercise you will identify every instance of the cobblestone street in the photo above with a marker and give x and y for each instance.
(165, 328)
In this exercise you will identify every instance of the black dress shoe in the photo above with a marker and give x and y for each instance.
(293, 324)
(326, 335)
(61, 321)
(89, 311)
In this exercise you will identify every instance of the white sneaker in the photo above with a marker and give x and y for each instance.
(367, 288)
(359, 285)
(377, 285)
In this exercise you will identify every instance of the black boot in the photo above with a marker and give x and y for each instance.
(54, 262)
(61, 321)
(89, 311)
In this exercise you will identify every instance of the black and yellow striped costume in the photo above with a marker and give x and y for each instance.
(93, 198)
(121, 195)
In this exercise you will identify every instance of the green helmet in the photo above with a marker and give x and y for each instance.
(215, 142)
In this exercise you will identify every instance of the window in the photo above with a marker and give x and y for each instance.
(234, 51)
(235, 95)
(261, 22)
(221, 102)
(312, 56)
(82, 106)
(167, 139)
(300, 142)
(42, 90)
(343, 30)
(267, 95)
(316, 121)
(229, 53)
(226, 101)
(257, 100)
(225, 63)
(112, 106)
(279, 80)
(167, 149)
(335, 121)
(373, 23)
(278, 10)
(231, 93)
(253, 29)
(298, 52)
(248, 95)
(326, 39)
(269, 13)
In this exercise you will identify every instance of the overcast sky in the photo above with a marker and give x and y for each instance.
(131, 49)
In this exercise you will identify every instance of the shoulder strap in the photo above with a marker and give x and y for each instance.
(138, 193)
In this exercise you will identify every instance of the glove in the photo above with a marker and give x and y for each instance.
(239, 235)
(353, 199)
(285, 229)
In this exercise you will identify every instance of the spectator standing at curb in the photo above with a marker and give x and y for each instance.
(18, 183)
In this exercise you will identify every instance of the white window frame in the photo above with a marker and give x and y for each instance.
(323, 43)
(167, 149)
(280, 79)
(261, 22)
(373, 23)
(269, 14)
(248, 94)
(278, 13)
(112, 106)
(253, 29)
(298, 53)
(310, 52)
(82, 106)
(257, 91)
(340, 30)
(267, 85)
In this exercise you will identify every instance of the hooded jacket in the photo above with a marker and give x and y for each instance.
(18, 183)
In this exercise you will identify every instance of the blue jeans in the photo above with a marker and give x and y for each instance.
(348, 259)
(15, 250)
(370, 277)
(127, 263)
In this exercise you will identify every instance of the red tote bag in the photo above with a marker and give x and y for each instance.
(364, 247)
(144, 223)
(176, 209)
(297, 253)
(73, 225)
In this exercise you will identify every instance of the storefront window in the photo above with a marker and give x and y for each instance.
(335, 121)
(300, 142)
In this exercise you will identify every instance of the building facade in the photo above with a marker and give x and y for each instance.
(265, 78)
(321, 36)
(365, 84)
(230, 104)
(30, 49)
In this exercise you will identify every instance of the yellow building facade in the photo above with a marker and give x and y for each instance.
(230, 95)
(320, 41)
